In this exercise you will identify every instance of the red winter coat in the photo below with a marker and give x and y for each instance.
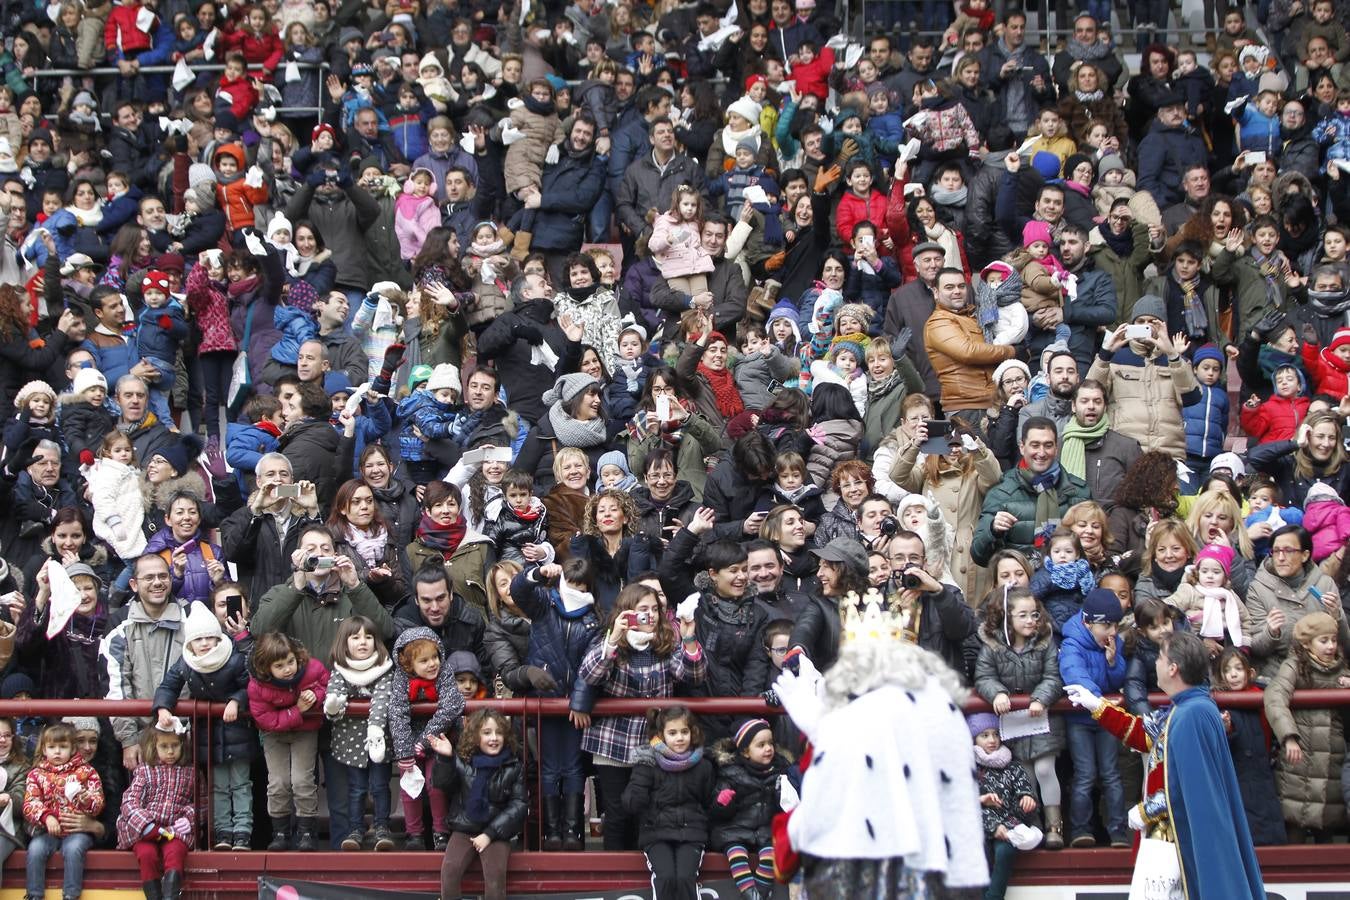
(853, 209)
(159, 797)
(122, 24)
(211, 307)
(273, 708)
(1328, 521)
(262, 51)
(243, 95)
(897, 219)
(814, 77)
(1325, 370)
(45, 793)
(1277, 419)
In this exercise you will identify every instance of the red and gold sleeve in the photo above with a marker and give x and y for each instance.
(1126, 726)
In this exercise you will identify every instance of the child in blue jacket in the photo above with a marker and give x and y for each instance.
(295, 320)
(1206, 419)
(1093, 655)
(245, 444)
(161, 329)
(1259, 123)
(426, 415)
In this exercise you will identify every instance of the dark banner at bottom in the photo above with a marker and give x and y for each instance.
(272, 888)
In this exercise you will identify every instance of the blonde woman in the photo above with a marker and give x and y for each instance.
(507, 637)
(1215, 518)
(1088, 521)
(1168, 549)
(566, 501)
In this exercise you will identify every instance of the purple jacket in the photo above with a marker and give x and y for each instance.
(195, 584)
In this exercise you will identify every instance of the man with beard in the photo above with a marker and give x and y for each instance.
(963, 359)
(1085, 45)
(1057, 406)
(1093, 304)
(554, 219)
(920, 65)
(1092, 450)
(781, 595)
(528, 347)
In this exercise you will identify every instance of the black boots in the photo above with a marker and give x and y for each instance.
(281, 834)
(553, 841)
(151, 889)
(306, 833)
(173, 884)
(574, 823)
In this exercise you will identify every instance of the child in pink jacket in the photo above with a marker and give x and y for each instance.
(677, 246)
(285, 683)
(1327, 519)
(415, 212)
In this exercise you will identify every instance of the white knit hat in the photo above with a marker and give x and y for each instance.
(445, 375)
(201, 622)
(1007, 364)
(83, 723)
(86, 378)
(30, 389)
(747, 109)
(279, 222)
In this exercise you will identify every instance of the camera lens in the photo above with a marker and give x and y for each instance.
(910, 581)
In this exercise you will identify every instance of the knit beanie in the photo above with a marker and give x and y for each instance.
(1310, 626)
(1101, 607)
(982, 721)
(201, 622)
(1009, 364)
(568, 387)
(35, 388)
(83, 723)
(748, 146)
(860, 311)
(16, 683)
(853, 343)
(302, 296)
(1207, 351)
(1340, 339)
(1319, 492)
(999, 266)
(204, 195)
(1220, 553)
(180, 453)
(1034, 231)
(784, 309)
(1046, 163)
(79, 568)
(199, 174)
(1074, 161)
(745, 735)
(462, 661)
(88, 377)
(1149, 305)
(746, 108)
(1111, 162)
(445, 375)
(339, 383)
(279, 222)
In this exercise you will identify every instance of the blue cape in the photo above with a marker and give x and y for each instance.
(1218, 861)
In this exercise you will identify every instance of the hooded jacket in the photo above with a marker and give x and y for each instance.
(558, 639)
(273, 705)
(410, 733)
(415, 216)
(136, 656)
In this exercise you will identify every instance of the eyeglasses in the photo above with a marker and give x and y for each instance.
(154, 577)
(1285, 551)
(906, 559)
(779, 651)
(1026, 617)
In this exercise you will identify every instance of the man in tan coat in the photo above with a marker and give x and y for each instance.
(1148, 380)
(963, 360)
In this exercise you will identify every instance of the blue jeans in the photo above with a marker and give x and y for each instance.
(560, 758)
(232, 797)
(1094, 752)
(375, 780)
(72, 847)
(1002, 856)
(336, 792)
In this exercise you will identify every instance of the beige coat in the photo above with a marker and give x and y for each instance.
(1310, 792)
(961, 498)
(1269, 591)
(1145, 401)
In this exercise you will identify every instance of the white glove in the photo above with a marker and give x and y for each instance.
(254, 177)
(801, 694)
(72, 789)
(254, 244)
(1083, 698)
(515, 103)
(684, 612)
(788, 798)
(292, 73)
(334, 705)
(552, 156)
(375, 743)
(1234, 104)
(1136, 818)
(385, 287)
(968, 441)
(511, 134)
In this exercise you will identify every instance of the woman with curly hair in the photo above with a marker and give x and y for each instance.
(440, 278)
(27, 357)
(1148, 492)
(1088, 521)
(1089, 101)
(612, 540)
(851, 481)
(1217, 216)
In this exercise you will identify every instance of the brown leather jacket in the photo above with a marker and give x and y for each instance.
(963, 360)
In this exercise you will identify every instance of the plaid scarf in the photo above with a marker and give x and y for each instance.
(1193, 307)
(1272, 270)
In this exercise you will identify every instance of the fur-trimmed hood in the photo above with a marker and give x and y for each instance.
(155, 496)
(98, 556)
(724, 753)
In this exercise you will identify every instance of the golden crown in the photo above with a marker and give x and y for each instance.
(873, 618)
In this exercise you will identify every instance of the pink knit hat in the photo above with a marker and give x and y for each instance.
(1220, 553)
(1035, 231)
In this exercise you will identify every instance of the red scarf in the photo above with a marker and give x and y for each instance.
(443, 538)
(531, 513)
(729, 401)
(422, 690)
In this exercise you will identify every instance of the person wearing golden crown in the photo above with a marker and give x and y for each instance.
(888, 808)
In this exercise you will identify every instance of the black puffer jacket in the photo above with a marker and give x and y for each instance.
(312, 448)
(229, 740)
(817, 631)
(398, 504)
(84, 426)
(656, 516)
(507, 640)
(670, 806)
(748, 819)
(635, 556)
(506, 797)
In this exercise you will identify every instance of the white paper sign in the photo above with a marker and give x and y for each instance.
(1021, 723)
(65, 598)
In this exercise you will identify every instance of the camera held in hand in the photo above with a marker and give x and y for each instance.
(319, 563)
(910, 581)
